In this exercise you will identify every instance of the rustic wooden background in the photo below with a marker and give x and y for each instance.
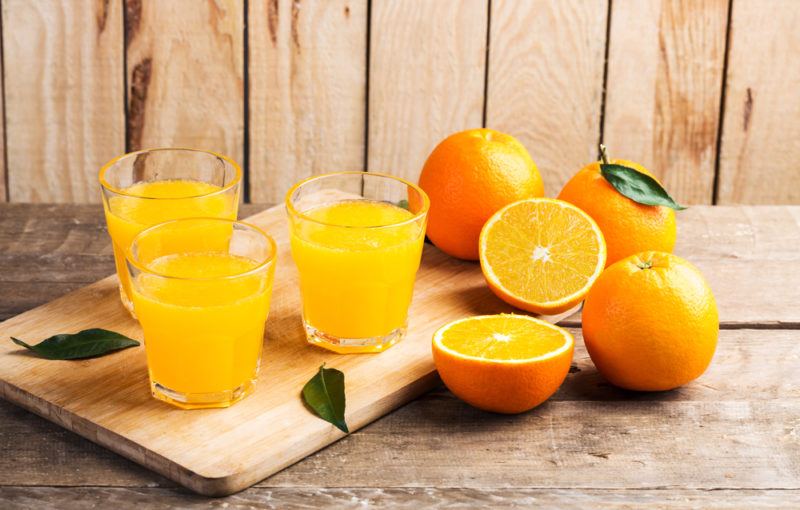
(706, 93)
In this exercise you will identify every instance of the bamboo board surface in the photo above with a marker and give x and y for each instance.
(217, 452)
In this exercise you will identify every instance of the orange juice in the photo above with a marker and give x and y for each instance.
(147, 203)
(357, 261)
(203, 325)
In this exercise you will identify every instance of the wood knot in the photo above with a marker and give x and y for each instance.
(133, 18)
(748, 108)
(272, 20)
(140, 82)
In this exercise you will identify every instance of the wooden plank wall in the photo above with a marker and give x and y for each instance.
(761, 123)
(185, 74)
(308, 88)
(426, 78)
(702, 92)
(548, 91)
(64, 96)
(662, 100)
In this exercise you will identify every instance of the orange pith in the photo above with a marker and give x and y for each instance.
(502, 363)
(541, 255)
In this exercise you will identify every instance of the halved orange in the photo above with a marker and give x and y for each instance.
(541, 254)
(503, 363)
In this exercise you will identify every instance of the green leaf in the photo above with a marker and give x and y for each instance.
(324, 394)
(639, 187)
(89, 343)
(403, 204)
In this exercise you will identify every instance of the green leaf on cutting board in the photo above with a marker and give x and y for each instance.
(88, 343)
(324, 394)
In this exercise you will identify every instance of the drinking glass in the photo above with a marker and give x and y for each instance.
(356, 239)
(143, 188)
(201, 290)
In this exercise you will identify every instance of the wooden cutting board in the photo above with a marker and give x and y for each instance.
(221, 451)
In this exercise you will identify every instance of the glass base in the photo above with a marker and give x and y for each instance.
(127, 303)
(202, 400)
(353, 345)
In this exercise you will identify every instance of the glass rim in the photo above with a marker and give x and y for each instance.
(426, 202)
(237, 178)
(269, 259)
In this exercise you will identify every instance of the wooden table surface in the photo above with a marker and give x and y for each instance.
(731, 439)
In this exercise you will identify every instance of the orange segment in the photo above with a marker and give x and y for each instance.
(503, 363)
(541, 255)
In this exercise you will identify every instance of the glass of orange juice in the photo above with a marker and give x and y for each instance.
(356, 239)
(201, 290)
(151, 186)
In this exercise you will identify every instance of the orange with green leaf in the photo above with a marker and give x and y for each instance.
(633, 210)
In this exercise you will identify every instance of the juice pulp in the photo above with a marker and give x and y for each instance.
(357, 282)
(126, 216)
(203, 336)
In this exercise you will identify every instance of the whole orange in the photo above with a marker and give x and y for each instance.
(628, 227)
(469, 176)
(650, 322)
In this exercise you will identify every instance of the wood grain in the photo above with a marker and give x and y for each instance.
(185, 73)
(665, 67)
(46, 251)
(45, 498)
(546, 79)
(426, 78)
(54, 456)
(725, 444)
(761, 133)
(730, 245)
(426, 453)
(307, 74)
(20, 297)
(753, 233)
(736, 370)
(64, 96)
(41, 453)
(743, 253)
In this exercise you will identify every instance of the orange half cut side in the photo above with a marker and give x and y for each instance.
(541, 254)
(504, 363)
